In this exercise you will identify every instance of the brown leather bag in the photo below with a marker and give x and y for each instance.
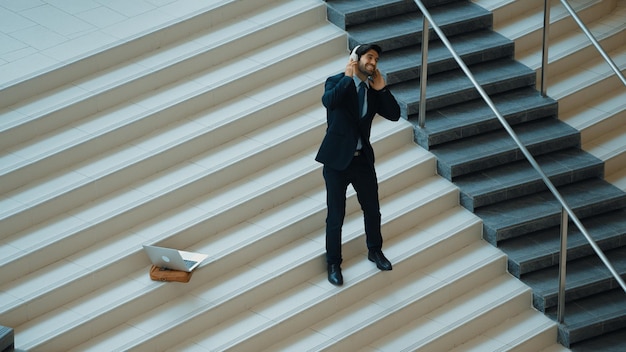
(160, 274)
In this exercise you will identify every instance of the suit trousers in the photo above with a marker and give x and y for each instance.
(362, 175)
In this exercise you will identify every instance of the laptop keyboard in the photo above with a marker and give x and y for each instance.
(190, 263)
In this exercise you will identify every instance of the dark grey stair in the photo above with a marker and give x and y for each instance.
(6, 339)
(593, 316)
(609, 342)
(520, 178)
(475, 117)
(453, 87)
(540, 250)
(541, 210)
(497, 148)
(585, 277)
(475, 47)
(345, 13)
(406, 29)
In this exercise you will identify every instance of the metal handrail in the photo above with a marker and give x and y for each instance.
(544, 92)
(566, 210)
(583, 27)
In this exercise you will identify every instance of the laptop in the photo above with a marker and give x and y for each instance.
(174, 259)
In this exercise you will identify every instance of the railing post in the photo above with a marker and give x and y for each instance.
(560, 313)
(424, 74)
(546, 44)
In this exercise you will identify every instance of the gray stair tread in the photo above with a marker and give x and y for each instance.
(610, 342)
(582, 316)
(453, 87)
(475, 117)
(541, 210)
(540, 250)
(585, 277)
(6, 338)
(497, 148)
(405, 64)
(345, 13)
(406, 29)
(520, 178)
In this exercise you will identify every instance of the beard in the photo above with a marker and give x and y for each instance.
(367, 69)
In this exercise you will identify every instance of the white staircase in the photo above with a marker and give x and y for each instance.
(591, 98)
(202, 136)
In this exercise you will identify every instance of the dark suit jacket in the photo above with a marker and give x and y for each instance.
(344, 125)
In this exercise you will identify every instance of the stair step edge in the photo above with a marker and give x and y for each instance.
(520, 178)
(191, 229)
(273, 331)
(510, 219)
(477, 310)
(497, 148)
(133, 119)
(473, 17)
(305, 261)
(540, 250)
(475, 117)
(117, 52)
(495, 77)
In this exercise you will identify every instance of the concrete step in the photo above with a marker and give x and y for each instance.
(73, 277)
(472, 118)
(572, 86)
(122, 41)
(497, 148)
(540, 249)
(612, 340)
(505, 10)
(611, 148)
(453, 87)
(127, 204)
(406, 29)
(180, 61)
(35, 157)
(474, 47)
(344, 14)
(146, 155)
(520, 178)
(42, 256)
(7, 342)
(447, 327)
(541, 210)
(581, 322)
(618, 177)
(532, 332)
(585, 277)
(307, 318)
(218, 296)
(597, 117)
(523, 23)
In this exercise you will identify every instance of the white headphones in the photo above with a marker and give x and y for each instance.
(353, 54)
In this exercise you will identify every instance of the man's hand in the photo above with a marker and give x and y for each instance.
(351, 68)
(377, 82)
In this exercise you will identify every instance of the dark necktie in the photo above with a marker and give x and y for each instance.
(361, 93)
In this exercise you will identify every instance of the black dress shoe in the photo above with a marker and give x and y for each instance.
(378, 257)
(334, 274)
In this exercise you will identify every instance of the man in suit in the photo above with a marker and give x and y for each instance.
(347, 154)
